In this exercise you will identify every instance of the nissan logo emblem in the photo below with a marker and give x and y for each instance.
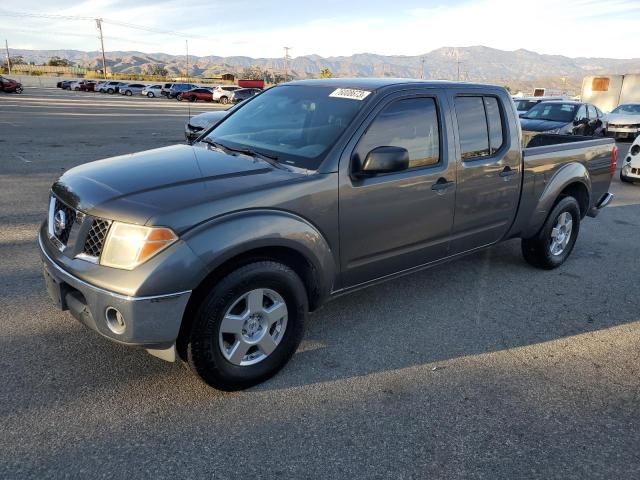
(59, 222)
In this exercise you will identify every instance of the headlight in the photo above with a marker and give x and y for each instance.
(127, 246)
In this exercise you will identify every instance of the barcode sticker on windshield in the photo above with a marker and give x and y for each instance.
(349, 93)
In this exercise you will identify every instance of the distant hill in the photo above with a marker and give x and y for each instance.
(520, 69)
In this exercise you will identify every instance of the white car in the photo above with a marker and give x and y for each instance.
(222, 94)
(624, 120)
(630, 171)
(152, 91)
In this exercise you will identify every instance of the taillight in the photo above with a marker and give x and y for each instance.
(614, 160)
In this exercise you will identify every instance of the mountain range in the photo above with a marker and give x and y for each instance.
(519, 69)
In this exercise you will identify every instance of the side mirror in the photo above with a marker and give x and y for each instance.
(581, 121)
(385, 160)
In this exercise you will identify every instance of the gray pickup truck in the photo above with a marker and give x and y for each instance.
(215, 252)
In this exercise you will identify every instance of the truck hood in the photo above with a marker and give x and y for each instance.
(133, 188)
(532, 125)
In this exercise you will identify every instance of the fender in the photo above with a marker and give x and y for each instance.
(566, 175)
(223, 238)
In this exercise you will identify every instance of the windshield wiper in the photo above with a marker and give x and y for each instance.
(270, 159)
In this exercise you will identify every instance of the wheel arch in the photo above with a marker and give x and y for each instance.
(573, 180)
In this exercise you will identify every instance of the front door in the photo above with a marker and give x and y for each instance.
(391, 222)
(488, 173)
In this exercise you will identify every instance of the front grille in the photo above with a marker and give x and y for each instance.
(96, 237)
(64, 221)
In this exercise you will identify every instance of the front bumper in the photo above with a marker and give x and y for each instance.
(152, 321)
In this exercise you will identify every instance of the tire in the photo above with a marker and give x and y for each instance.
(128, 93)
(193, 99)
(179, 97)
(538, 251)
(150, 95)
(110, 91)
(223, 100)
(210, 352)
(19, 90)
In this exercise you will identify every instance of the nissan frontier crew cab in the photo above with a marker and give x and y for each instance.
(215, 252)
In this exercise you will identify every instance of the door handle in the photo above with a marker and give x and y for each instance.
(441, 184)
(508, 172)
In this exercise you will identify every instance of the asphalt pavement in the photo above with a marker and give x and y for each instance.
(483, 368)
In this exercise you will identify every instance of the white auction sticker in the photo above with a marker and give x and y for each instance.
(349, 93)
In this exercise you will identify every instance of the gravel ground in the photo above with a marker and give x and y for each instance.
(481, 368)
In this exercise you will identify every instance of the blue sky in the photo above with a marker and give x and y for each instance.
(591, 28)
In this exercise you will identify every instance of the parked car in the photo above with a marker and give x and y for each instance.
(152, 91)
(178, 88)
(217, 251)
(8, 85)
(99, 85)
(165, 89)
(79, 85)
(112, 87)
(564, 118)
(222, 93)
(89, 86)
(624, 121)
(64, 84)
(198, 124)
(242, 94)
(630, 171)
(524, 104)
(132, 89)
(196, 94)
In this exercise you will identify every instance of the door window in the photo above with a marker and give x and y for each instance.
(582, 113)
(593, 115)
(472, 127)
(412, 124)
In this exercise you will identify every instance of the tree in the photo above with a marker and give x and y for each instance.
(326, 73)
(155, 69)
(17, 60)
(252, 73)
(59, 62)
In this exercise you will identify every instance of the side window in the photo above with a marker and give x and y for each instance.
(494, 119)
(582, 113)
(593, 115)
(472, 127)
(412, 124)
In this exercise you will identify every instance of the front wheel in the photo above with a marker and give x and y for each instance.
(248, 327)
(553, 244)
(150, 95)
(19, 90)
(128, 93)
(224, 100)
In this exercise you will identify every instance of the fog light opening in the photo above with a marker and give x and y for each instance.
(115, 320)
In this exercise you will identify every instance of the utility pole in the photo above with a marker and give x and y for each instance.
(104, 60)
(422, 68)
(6, 45)
(186, 42)
(286, 63)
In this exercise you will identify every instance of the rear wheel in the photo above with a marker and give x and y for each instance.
(553, 244)
(179, 97)
(224, 100)
(193, 99)
(248, 327)
(110, 91)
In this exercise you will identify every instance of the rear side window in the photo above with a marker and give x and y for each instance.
(480, 126)
(592, 112)
(472, 127)
(412, 124)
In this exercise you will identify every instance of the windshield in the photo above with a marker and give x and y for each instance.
(295, 123)
(555, 112)
(525, 105)
(631, 109)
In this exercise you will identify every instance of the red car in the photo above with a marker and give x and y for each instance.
(9, 86)
(88, 86)
(197, 94)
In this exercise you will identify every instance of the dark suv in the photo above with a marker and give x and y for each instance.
(177, 88)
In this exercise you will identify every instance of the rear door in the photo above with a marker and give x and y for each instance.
(395, 221)
(488, 170)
